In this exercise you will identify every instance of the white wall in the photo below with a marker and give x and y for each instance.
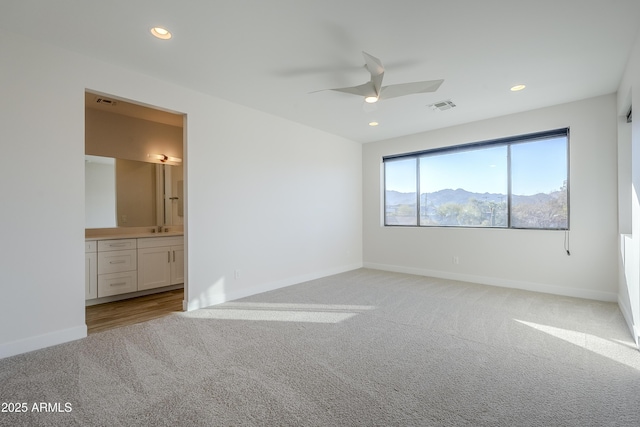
(277, 201)
(629, 194)
(526, 259)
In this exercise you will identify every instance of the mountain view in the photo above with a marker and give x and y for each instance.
(463, 208)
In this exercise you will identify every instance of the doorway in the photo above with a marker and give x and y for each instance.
(134, 192)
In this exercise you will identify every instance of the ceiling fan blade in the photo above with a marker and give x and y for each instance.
(394, 91)
(375, 67)
(377, 83)
(373, 64)
(366, 89)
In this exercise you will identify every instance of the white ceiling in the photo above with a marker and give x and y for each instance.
(270, 54)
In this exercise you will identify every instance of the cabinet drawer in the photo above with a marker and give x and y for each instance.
(117, 283)
(116, 245)
(117, 261)
(90, 246)
(156, 242)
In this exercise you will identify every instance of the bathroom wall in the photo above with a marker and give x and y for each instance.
(115, 135)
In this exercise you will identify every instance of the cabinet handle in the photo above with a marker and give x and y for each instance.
(117, 245)
(117, 284)
(117, 262)
(174, 256)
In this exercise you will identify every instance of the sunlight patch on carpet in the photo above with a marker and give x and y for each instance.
(619, 352)
(269, 315)
(294, 306)
(279, 312)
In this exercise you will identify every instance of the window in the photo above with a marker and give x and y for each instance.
(401, 189)
(519, 182)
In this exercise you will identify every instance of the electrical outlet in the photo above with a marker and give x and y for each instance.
(236, 274)
(456, 259)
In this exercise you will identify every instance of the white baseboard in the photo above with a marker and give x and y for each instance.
(41, 341)
(264, 287)
(503, 283)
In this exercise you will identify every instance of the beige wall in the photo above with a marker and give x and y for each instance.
(130, 139)
(114, 135)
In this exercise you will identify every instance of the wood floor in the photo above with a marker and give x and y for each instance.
(111, 315)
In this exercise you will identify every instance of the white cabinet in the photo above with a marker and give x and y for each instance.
(154, 270)
(177, 267)
(160, 262)
(120, 266)
(90, 269)
(117, 267)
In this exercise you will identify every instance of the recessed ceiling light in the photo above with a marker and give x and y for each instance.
(517, 88)
(371, 99)
(373, 123)
(161, 33)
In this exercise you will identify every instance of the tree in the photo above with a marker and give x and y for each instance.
(550, 213)
(447, 213)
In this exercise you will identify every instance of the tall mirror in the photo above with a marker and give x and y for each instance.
(129, 193)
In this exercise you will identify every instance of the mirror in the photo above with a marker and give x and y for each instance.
(129, 193)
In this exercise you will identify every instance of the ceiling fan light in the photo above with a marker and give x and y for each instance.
(371, 99)
(161, 33)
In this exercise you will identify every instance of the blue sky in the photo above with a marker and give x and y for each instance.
(537, 167)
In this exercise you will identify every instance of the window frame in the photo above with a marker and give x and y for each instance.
(508, 142)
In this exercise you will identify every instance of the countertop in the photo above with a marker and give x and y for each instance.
(134, 235)
(130, 233)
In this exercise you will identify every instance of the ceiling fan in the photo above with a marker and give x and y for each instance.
(372, 91)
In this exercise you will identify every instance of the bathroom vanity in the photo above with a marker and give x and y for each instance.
(131, 264)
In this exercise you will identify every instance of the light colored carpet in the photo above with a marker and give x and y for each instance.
(363, 348)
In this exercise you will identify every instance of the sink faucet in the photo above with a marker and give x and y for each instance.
(159, 229)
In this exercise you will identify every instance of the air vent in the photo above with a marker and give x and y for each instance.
(106, 101)
(442, 105)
